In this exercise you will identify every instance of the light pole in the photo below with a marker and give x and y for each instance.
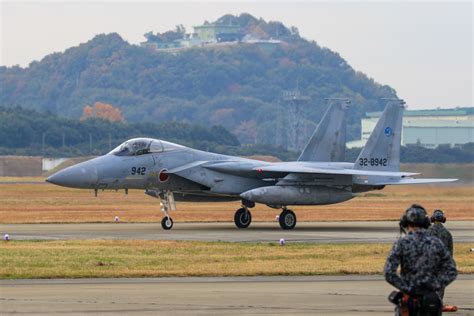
(90, 144)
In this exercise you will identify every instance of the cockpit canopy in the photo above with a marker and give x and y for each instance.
(141, 146)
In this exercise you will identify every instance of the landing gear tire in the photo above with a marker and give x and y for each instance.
(287, 219)
(242, 218)
(167, 223)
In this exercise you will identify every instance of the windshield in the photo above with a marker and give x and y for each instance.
(141, 146)
(133, 147)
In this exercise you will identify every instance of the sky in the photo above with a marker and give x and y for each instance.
(424, 49)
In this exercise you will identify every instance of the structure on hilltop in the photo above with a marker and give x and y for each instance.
(218, 32)
(207, 34)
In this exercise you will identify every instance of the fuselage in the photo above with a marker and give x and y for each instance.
(151, 164)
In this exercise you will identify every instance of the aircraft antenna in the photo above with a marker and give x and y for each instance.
(401, 101)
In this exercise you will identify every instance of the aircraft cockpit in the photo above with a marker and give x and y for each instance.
(141, 146)
(136, 147)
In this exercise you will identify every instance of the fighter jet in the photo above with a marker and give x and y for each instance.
(172, 172)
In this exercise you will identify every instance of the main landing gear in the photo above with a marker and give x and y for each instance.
(243, 217)
(287, 219)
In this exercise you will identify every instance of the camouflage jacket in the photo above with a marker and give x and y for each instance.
(438, 230)
(426, 264)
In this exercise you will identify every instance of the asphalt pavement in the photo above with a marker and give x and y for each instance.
(314, 232)
(279, 295)
(315, 295)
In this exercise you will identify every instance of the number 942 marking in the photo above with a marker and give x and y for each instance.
(138, 171)
(373, 162)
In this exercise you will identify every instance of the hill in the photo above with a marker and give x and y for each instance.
(236, 86)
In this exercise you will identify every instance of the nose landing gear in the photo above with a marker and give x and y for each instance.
(167, 204)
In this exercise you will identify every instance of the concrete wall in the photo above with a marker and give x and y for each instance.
(51, 163)
(20, 166)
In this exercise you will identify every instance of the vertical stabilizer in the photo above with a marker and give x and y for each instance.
(328, 142)
(382, 151)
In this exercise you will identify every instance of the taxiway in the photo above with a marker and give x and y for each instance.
(314, 232)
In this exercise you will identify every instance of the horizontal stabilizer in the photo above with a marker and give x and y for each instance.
(413, 181)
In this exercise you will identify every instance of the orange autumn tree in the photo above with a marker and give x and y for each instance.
(104, 111)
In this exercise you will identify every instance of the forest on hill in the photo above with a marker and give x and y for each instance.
(244, 87)
(31, 133)
(28, 132)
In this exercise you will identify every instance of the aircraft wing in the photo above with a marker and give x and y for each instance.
(195, 171)
(259, 170)
(292, 168)
(188, 166)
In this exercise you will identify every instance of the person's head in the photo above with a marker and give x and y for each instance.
(438, 217)
(415, 217)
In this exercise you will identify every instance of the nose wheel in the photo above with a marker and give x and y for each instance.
(167, 223)
(242, 218)
(287, 219)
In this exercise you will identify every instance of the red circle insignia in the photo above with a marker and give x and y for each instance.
(163, 176)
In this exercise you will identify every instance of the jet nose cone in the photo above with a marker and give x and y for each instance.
(55, 178)
(79, 176)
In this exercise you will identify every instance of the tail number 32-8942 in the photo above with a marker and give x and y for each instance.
(373, 162)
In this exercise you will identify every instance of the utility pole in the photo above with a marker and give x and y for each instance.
(64, 140)
(43, 139)
(90, 144)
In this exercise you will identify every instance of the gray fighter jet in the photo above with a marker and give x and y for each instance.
(173, 172)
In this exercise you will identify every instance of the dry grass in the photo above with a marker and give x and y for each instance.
(37, 203)
(132, 258)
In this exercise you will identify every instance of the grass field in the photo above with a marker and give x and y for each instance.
(45, 203)
(139, 258)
